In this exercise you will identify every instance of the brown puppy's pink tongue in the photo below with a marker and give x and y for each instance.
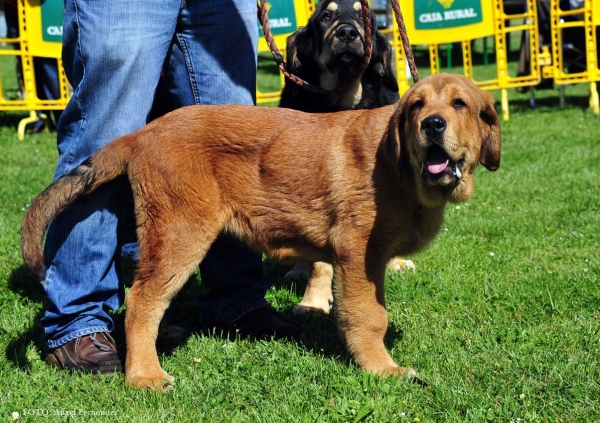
(437, 161)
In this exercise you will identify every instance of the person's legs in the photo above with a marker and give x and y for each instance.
(46, 79)
(11, 15)
(113, 52)
(216, 48)
(213, 61)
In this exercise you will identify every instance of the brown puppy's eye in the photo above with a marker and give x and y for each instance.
(416, 106)
(326, 16)
(458, 103)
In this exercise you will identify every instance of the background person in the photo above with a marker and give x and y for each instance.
(45, 70)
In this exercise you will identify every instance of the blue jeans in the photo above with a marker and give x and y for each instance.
(113, 53)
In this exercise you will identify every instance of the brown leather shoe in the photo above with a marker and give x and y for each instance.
(94, 353)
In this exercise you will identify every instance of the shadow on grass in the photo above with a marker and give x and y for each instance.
(11, 119)
(548, 104)
(320, 335)
(26, 285)
(23, 283)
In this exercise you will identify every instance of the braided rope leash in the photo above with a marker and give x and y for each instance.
(410, 59)
(264, 22)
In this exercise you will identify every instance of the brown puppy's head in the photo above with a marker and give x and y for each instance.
(447, 126)
(332, 46)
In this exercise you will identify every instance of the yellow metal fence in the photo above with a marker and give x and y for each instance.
(430, 24)
(35, 40)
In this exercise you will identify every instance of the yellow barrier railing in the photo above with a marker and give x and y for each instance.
(36, 39)
(441, 22)
(432, 23)
(561, 69)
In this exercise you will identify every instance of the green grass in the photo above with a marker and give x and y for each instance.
(501, 317)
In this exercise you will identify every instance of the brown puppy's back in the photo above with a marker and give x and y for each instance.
(206, 135)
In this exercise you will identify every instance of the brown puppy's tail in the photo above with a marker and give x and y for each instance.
(104, 166)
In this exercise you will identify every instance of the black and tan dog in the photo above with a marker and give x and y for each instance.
(329, 52)
(352, 188)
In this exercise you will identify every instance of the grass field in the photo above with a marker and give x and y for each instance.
(501, 316)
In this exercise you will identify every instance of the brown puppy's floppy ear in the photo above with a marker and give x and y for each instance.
(397, 125)
(490, 151)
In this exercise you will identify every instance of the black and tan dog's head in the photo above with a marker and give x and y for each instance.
(330, 49)
(448, 125)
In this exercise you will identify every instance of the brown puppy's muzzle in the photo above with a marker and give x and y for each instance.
(439, 168)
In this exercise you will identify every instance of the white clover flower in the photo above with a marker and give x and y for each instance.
(15, 415)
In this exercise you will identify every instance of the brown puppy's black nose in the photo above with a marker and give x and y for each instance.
(346, 33)
(433, 125)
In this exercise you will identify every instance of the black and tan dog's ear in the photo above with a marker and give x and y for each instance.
(490, 124)
(381, 58)
(300, 49)
(291, 55)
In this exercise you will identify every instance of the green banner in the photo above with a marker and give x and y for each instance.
(52, 20)
(282, 17)
(442, 14)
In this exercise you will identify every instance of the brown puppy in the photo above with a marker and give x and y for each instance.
(353, 188)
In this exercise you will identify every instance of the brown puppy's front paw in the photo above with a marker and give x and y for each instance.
(408, 374)
(161, 382)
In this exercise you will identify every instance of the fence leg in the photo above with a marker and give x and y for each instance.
(594, 101)
(33, 117)
(505, 114)
(561, 90)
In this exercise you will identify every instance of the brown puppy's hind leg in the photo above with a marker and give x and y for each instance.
(167, 259)
(362, 318)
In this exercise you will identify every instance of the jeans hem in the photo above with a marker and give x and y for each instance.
(77, 334)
